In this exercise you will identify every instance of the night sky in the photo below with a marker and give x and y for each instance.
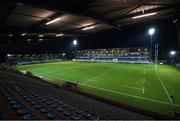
(128, 36)
(135, 36)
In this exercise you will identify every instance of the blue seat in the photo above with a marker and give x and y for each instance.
(23, 110)
(18, 105)
(38, 106)
(94, 117)
(72, 108)
(30, 116)
(66, 112)
(60, 109)
(61, 117)
(50, 98)
(49, 102)
(54, 105)
(51, 114)
(75, 116)
(6, 94)
(34, 102)
(11, 98)
(65, 105)
(13, 102)
(44, 99)
(79, 111)
(86, 114)
(61, 102)
(29, 99)
(44, 110)
(55, 100)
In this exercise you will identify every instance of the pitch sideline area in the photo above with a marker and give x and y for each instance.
(138, 85)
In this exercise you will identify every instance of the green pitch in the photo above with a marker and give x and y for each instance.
(138, 85)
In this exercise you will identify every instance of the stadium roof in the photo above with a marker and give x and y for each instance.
(72, 18)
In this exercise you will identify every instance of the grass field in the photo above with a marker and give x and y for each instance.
(138, 85)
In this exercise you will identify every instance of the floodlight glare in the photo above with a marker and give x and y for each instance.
(9, 55)
(173, 52)
(144, 15)
(10, 35)
(40, 40)
(151, 31)
(23, 34)
(40, 35)
(53, 21)
(28, 40)
(59, 35)
(75, 42)
(87, 28)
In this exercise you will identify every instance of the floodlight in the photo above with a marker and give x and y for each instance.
(9, 55)
(175, 20)
(54, 20)
(28, 40)
(23, 34)
(151, 31)
(40, 35)
(10, 35)
(144, 15)
(59, 35)
(173, 52)
(75, 42)
(40, 40)
(87, 28)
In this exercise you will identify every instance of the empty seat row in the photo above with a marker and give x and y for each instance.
(59, 104)
(50, 106)
(16, 103)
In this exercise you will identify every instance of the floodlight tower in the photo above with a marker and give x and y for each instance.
(151, 33)
(173, 54)
(75, 45)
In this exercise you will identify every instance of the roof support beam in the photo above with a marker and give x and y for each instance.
(67, 6)
(161, 9)
(13, 6)
(19, 30)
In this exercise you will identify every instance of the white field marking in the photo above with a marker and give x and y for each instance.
(164, 87)
(143, 89)
(148, 99)
(135, 88)
(52, 77)
(60, 74)
(144, 79)
(131, 87)
(101, 74)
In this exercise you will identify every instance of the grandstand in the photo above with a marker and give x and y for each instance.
(34, 58)
(123, 55)
(89, 59)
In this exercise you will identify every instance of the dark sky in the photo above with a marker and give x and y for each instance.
(129, 36)
(135, 36)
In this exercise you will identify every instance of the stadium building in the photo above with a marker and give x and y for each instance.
(89, 59)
